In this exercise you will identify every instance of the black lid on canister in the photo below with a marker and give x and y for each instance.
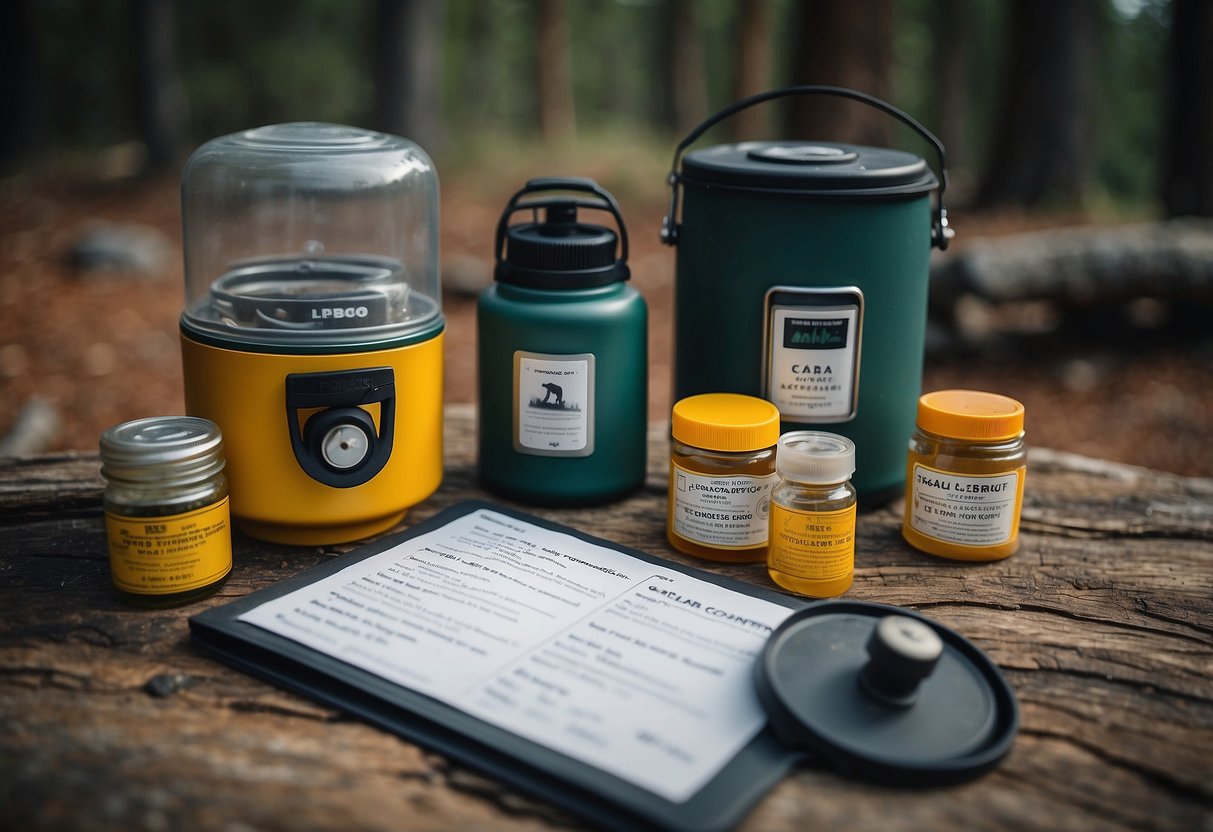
(556, 250)
(882, 693)
(809, 168)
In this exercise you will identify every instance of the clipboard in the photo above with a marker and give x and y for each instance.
(582, 789)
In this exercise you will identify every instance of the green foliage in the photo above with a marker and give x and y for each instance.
(87, 81)
(247, 64)
(920, 32)
(488, 69)
(250, 63)
(1132, 72)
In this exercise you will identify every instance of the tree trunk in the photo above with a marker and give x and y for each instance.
(682, 93)
(1187, 186)
(950, 87)
(1042, 140)
(20, 83)
(554, 71)
(160, 98)
(477, 73)
(752, 67)
(408, 69)
(848, 44)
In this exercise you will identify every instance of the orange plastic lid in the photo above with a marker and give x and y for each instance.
(725, 422)
(970, 414)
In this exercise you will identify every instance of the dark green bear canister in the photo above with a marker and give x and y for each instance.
(563, 354)
(802, 275)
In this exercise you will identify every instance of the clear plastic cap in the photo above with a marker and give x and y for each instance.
(310, 235)
(815, 457)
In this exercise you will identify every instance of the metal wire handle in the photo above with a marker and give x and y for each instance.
(941, 232)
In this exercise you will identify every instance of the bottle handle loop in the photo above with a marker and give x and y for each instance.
(603, 201)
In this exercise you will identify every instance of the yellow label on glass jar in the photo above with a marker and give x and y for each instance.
(817, 545)
(173, 553)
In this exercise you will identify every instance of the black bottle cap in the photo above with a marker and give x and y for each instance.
(881, 693)
(558, 251)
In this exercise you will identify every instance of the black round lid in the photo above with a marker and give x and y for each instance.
(882, 693)
(559, 252)
(809, 167)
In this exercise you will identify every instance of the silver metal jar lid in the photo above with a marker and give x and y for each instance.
(159, 449)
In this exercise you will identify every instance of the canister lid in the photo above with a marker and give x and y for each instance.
(823, 168)
(882, 693)
(815, 457)
(970, 414)
(178, 449)
(725, 422)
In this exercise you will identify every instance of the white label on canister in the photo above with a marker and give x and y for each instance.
(969, 511)
(553, 404)
(728, 512)
(812, 351)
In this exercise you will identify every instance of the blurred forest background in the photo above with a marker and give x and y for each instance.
(1080, 160)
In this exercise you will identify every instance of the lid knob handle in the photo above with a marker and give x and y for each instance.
(902, 652)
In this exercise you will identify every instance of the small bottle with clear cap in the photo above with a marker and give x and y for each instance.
(811, 537)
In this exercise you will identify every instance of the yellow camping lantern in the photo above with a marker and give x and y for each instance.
(312, 330)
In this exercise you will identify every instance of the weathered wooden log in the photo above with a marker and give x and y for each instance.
(1102, 623)
(1083, 266)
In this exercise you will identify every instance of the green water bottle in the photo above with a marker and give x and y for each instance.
(563, 353)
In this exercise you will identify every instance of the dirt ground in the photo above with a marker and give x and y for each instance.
(100, 346)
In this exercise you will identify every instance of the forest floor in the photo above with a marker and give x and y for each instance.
(100, 346)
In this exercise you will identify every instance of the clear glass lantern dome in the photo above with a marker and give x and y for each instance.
(309, 236)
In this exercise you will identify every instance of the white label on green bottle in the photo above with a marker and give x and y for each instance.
(553, 404)
(724, 511)
(812, 349)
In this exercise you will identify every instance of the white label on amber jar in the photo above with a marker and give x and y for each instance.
(728, 512)
(966, 510)
(553, 404)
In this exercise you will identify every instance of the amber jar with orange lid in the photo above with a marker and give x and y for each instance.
(965, 475)
(722, 470)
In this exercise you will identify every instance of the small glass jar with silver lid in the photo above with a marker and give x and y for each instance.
(166, 509)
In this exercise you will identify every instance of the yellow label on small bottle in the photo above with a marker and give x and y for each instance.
(816, 545)
(174, 553)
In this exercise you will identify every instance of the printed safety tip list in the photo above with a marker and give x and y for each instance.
(636, 669)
